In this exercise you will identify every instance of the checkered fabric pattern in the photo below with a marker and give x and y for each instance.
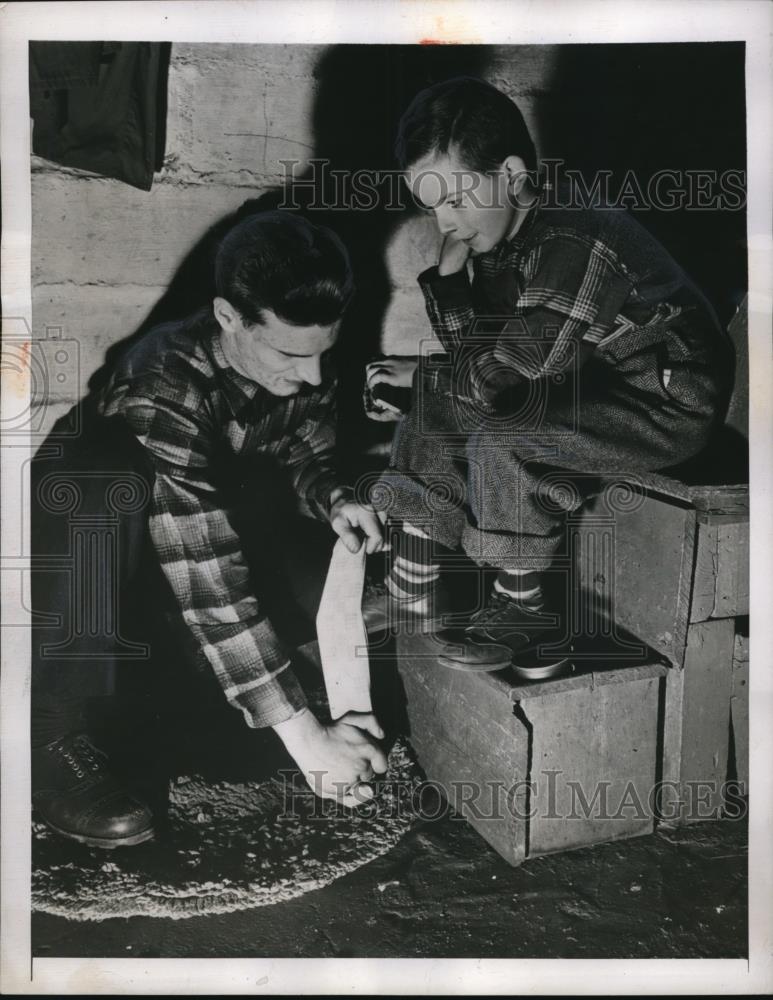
(567, 284)
(574, 287)
(187, 406)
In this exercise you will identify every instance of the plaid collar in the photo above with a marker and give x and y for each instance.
(510, 244)
(240, 393)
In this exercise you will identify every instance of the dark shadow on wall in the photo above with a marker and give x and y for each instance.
(649, 108)
(678, 107)
(362, 91)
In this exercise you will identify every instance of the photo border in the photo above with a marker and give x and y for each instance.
(297, 22)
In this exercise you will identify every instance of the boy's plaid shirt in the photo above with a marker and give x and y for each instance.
(567, 284)
(187, 406)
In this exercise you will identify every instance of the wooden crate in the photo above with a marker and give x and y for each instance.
(720, 586)
(697, 722)
(739, 708)
(678, 579)
(522, 761)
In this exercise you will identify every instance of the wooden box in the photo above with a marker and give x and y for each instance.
(537, 767)
(676, 576)
(739, 708)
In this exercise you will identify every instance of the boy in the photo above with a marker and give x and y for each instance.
(578, 349)
(154, 487)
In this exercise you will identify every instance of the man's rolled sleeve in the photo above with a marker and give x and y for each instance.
(267, 704)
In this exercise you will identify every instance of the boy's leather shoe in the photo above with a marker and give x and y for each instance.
(382, 612)
(75, 794)
(506, 633)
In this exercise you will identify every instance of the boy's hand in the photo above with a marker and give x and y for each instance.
(393, 371)
(383, 413)
(453, 255)
(338, 758)
(351, 521)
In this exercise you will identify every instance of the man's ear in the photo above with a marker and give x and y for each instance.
(515, 173)
(228, 318)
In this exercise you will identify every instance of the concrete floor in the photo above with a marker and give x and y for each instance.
(443, 892)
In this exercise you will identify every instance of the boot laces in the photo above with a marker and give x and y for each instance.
(505, 610)
(499, 606)
(82, 756)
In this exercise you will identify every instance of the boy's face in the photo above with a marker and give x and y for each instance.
(277, 355)
(468, 206)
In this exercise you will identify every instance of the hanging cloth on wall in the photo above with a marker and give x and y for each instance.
(101, 106)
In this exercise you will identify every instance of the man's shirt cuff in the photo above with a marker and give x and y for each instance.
(316, 496)
(272, 700)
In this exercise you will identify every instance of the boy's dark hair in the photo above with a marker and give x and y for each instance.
(280, 261)
(479, 121)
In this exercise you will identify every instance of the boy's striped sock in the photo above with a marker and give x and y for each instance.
(413, 570)
(523, 586)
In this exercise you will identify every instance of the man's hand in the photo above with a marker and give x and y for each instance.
(351, 521)
(453, 255)
(337, 760)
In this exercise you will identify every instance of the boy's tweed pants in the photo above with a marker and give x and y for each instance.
(500, 483)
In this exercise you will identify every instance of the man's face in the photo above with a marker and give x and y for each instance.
(468, 206)
(276, 355)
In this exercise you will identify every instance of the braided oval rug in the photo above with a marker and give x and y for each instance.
(229, 846)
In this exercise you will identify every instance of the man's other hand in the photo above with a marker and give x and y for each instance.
(337, 760)
(352, 521)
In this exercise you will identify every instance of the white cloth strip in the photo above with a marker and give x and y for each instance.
(341, 633)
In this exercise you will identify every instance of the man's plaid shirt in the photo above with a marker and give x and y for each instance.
(569, 283)
(187, 406)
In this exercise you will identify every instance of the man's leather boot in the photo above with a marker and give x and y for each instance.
(75, 794)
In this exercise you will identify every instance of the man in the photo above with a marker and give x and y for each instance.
(190, 412)
(580, 349)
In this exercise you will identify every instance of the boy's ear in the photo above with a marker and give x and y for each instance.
(225, 314)
(516, 173)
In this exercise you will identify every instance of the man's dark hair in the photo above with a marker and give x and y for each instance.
(480, 122)
(280, 261)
